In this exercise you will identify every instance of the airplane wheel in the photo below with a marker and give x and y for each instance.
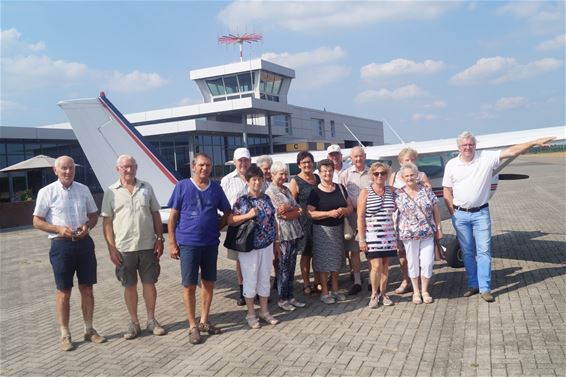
(453, 254)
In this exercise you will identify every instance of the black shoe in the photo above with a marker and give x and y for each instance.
(241, 301)
(487, 296)
(354, 290)
(471, 292)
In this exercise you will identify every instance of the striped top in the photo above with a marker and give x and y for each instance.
(380, 230)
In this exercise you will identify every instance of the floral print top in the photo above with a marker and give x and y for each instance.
(413, 225)
(265, 230)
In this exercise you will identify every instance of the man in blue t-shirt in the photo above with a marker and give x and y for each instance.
(194, 235)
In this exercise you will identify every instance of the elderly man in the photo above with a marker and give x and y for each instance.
(134, 235)
(467, 184)
(264, 163)
(355, 178)
(194, 235)
(234, 185)
(66, 210)
(334, 154)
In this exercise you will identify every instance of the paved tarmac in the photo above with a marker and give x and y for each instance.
(522, 333)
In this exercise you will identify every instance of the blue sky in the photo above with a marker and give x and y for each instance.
(431, 69)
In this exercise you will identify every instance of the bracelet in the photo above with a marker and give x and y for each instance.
(160, 239)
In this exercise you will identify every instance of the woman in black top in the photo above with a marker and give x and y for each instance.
(328, 205)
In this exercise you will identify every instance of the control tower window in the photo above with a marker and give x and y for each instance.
(270, 86)
(216, 86)
(245, 80)
(231, 84)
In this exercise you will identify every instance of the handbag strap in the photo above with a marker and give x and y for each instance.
(342, 191)
(420, 209)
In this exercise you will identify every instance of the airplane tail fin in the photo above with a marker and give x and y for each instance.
(104, 134)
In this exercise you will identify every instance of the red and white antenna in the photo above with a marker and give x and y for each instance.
(240, 39)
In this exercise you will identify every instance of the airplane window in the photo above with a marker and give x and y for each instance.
(433, 166)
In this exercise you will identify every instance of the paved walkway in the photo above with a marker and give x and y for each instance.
(522, 333)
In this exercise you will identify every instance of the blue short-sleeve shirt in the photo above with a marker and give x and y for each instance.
(198, 212)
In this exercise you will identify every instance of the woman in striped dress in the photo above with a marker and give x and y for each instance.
(376, 205)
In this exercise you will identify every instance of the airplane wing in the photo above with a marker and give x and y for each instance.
(104, 134)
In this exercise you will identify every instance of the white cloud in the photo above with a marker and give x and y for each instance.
(419, 117)
(318, 16)
(11, 106)
(541, 16)
(402, 93)
(134, 81)
(523, 72)
(318, 56)
(500, 69)
(398, 67)
(507, 103)
(320, 76)
(439, 104)
(555, 43)
(10, 40)
(33, 71)
(482, 115)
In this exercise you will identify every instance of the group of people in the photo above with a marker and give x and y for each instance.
(390, 214)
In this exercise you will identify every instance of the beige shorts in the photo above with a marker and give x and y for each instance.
(143, 262)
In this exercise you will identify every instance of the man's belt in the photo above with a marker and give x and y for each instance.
(472, 209)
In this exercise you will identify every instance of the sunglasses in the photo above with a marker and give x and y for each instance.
(380, 173)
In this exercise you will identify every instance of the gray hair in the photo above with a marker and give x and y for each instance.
(60, 159)
(279, 167)
(408, 166)
(356, 148)
(465, 135)
(125, 157)
(263, 159)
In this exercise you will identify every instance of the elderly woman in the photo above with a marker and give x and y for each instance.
(256, 264)
(376, 231)
(290, 231)
(264, 163)
(406, 155)
(301, 186)
(328, 205)
(419, 223)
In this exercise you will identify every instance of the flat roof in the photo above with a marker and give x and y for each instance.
(239, 67)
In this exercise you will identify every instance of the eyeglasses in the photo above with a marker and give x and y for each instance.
(380, 173)
(467, 145)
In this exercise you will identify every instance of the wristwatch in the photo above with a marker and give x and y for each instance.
(160, 239)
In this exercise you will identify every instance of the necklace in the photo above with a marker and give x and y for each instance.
(327, 188)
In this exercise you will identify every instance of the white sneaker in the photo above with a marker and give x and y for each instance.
(296, 303)
(286, 305)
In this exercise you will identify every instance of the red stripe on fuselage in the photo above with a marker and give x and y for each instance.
(155, 160)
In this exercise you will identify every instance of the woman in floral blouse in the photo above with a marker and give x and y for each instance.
(290, 231)
(256, 264)
(419, 224)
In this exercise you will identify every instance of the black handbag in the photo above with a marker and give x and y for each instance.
(241, 237)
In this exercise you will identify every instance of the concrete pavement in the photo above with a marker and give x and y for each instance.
(522, 333)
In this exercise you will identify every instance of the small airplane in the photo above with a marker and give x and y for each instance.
(104, 134)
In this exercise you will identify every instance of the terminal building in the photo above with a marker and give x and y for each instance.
(244, 104)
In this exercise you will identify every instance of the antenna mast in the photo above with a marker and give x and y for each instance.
(240, 39)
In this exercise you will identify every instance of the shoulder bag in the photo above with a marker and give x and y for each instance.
(241, 237)
(348, 230)
(438, 248)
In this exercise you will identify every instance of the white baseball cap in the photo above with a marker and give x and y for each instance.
(241, 153)
(334, 148)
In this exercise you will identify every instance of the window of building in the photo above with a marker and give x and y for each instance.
(332, 129)
(283, 121)
(245, 81)
(231, 84)
(318, 126)
(270, 86)
(216, 86)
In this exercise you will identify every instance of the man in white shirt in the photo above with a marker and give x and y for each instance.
(66, 210)
(467, 185)
(234, 185)
(354, 179)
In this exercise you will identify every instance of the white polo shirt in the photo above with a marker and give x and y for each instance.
(471, 181)
(64, 206)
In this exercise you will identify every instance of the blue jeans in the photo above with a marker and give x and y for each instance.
(474, 234)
